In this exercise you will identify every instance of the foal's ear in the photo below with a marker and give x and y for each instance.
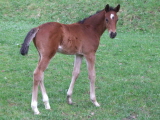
(117, 8)
(107, 8)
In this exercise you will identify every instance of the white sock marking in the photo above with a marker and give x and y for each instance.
(34, 107)
(45, 98)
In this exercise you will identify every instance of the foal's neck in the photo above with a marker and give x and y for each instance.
(97, 21)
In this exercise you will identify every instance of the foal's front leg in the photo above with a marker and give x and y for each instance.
(92, 76)
(76, 71)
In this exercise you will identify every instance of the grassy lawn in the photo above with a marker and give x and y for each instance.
(127, 67)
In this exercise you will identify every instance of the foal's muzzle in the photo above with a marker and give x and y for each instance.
(113, 34)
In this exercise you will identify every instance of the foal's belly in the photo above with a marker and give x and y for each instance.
(70, 50)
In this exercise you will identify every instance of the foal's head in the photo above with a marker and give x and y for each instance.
(111, 19)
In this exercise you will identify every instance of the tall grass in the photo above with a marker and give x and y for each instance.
(127, 67)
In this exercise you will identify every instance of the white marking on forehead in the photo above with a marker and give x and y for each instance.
(112, 16)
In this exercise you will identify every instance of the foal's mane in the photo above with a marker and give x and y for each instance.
(83, 20)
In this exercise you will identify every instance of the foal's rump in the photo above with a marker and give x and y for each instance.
(45, 36)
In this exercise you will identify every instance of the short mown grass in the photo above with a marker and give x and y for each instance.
(127, 67)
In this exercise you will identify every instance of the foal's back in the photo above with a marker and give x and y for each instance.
(67, 39)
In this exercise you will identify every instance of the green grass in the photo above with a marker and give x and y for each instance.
(127, 67)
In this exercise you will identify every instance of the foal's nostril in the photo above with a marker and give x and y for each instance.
(113, 34)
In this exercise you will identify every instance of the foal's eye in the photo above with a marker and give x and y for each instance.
(106, 20)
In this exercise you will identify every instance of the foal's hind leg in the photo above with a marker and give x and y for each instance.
(38, 79)
(76, 70)
(45, 96)
(92, 76)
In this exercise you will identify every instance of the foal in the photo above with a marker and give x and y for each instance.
(80, 39)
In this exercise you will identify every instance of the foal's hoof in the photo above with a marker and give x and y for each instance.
(69, 100)
(47, 107)
(37, 113)
(96, 103)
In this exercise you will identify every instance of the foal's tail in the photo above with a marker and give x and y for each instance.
(25, 46)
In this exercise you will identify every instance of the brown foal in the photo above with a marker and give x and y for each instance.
(80, 39)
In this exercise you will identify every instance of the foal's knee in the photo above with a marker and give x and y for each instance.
(92, 77)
